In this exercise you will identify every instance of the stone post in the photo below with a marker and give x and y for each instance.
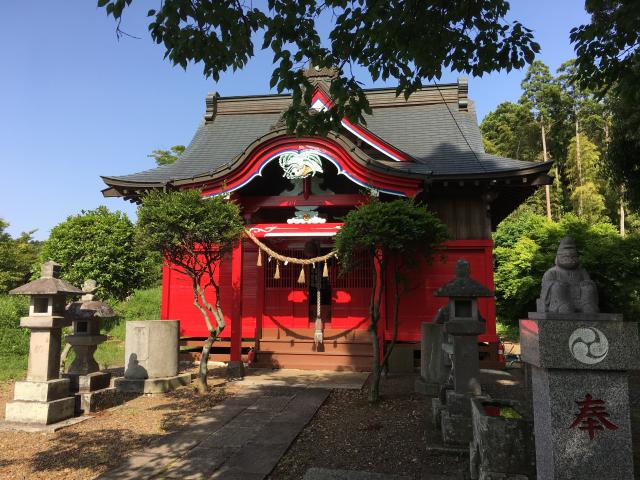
(433, 371)
(579, 360)
(579, 364)
(151, 357)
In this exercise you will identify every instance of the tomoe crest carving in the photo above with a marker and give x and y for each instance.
(588, 345)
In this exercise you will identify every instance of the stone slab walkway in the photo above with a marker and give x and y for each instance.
(242, 438)
(304, 378)
(331, 474)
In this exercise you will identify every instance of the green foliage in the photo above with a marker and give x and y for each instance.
(607, 48)
(400, 228)
(167, 157)
(411, 42)
(526, 245)
(608, 62)
(99, 244)
(560, 106)
(140, 305)
(587, 182)
(511, 131)
(17, 256)
(397, 234)
(177, 223)
(624, 146)
(13, 339)
(13, 367)
(193, 234)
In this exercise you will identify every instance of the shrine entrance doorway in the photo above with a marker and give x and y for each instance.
(289, 303)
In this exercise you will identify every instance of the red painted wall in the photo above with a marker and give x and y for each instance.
(419, 305)
(274, 306)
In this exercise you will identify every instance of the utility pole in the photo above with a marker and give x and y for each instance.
(547, 190)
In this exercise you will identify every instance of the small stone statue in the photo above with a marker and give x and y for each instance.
(567, 288)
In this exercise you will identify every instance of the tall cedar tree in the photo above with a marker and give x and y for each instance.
(396, 235)
(608, 62)
(409, 40)
(193, 234)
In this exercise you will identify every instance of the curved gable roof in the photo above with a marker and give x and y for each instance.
(443, 139)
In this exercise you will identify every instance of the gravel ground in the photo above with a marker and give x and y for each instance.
(89, 448)
(348, 433)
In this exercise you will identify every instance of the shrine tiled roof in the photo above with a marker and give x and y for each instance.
(438, 131)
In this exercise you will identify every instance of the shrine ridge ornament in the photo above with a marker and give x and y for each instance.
(300, 164)
(588, 345)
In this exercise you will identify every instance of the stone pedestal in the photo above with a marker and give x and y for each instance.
(502, 446)
(455, 418)
(93, 391)
(433, 370)
(235, 370)
(43, 398)
(40, 402)
(151, 357)
(455, 409)
(580, 393)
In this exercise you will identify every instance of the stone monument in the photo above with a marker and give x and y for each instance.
(434, 364)
(151, 357)
(579, 360)
(463, 326)
(91, 386)
(44, 398)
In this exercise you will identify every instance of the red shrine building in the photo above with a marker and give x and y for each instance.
(294, 191)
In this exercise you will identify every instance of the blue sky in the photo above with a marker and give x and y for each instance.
(76, 103)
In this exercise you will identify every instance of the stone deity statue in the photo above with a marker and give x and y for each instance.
(566, 287)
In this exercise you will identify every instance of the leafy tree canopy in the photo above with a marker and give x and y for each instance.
(193, 234)
(97, 244)
(167, 157)
(17, 256)
(526, 245)
(411, 41)
(511, 131)
(400, 234)
(608, 62)
(607, 48)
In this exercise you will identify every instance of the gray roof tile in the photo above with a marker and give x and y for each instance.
(443, 140)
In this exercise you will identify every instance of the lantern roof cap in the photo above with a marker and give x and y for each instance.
(89, 307)
(462, 285)
(49, 283)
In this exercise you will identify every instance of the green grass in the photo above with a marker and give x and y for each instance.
(508, 332)
(14, 341)
(12, 367)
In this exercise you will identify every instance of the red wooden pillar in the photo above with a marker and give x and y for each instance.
(236, 311)
(382, 321)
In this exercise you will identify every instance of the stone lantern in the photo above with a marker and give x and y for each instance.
(463, 325)
(85, 317)
(44, 398)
